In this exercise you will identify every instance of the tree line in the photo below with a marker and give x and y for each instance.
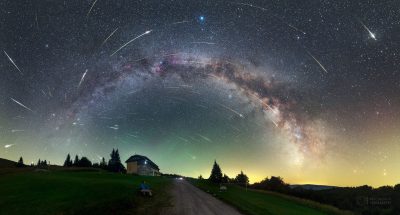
(274, 183)
(217, 177)
(113, 165)
(39, 164)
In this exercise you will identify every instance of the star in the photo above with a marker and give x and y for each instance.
(202, 19)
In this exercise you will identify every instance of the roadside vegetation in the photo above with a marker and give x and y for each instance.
(254, 202)
(259, 198)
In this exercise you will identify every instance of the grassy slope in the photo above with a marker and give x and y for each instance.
(7, 163)
(254, 202)
(60, 192)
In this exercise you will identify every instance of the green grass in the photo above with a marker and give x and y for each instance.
(255, 202)
(75, 192)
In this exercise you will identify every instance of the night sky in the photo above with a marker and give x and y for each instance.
(309, 91)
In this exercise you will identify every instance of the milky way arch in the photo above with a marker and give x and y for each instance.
(283, 106)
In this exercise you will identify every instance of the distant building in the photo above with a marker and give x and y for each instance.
(141, 165)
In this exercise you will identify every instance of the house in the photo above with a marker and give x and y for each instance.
(141, 165)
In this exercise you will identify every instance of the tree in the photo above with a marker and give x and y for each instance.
(68, 161)
(20, 162)
(216, 173)
(225, 179)
(114, 164)
(242, 179)
(200, 177)
(76, 161)
(397, 187)
(117, 158)
(42, 164)
(84, 162)
(112, 160)
(275, 183)
(103, 163)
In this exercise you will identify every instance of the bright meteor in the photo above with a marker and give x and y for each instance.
(147, 32)
(8, 145)
(83, 77)
(20, 104)
(11, 60)
(371, 34)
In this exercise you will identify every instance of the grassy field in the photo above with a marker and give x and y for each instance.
(77, 192)
(255, 202)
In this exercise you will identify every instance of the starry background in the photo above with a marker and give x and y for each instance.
(340, 60)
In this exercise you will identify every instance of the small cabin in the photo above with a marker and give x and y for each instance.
(141, 165)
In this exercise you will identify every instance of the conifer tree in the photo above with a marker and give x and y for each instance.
(20, 162)
(114, 164)
(216, 173)
(76, 161)
(68, 161)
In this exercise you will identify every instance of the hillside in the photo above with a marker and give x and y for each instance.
(256, 202)
(4, 163)
(312, 186)
(80, 192)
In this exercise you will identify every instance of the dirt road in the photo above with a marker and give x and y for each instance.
(189, 200)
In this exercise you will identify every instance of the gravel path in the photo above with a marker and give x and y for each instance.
(189, 200)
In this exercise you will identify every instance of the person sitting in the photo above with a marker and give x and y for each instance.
(145, 189)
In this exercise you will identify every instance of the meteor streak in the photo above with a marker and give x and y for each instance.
(8, 146)
(132, 135)
(372, 35)
(250, 5)
(11, 60)
(181, 22)
(317, 61)
(147, 32)
(228, 108)
(115, 127)
(83, 77)
(36, 20)
(208, 43)
(265, 9)
(16, 130)
(205, 138)
(22, 105)
(276, 124)
(112, 33)
(292, 26)
(183, 139)
(90, 10)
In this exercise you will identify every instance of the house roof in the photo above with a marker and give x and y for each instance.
(141, 159)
